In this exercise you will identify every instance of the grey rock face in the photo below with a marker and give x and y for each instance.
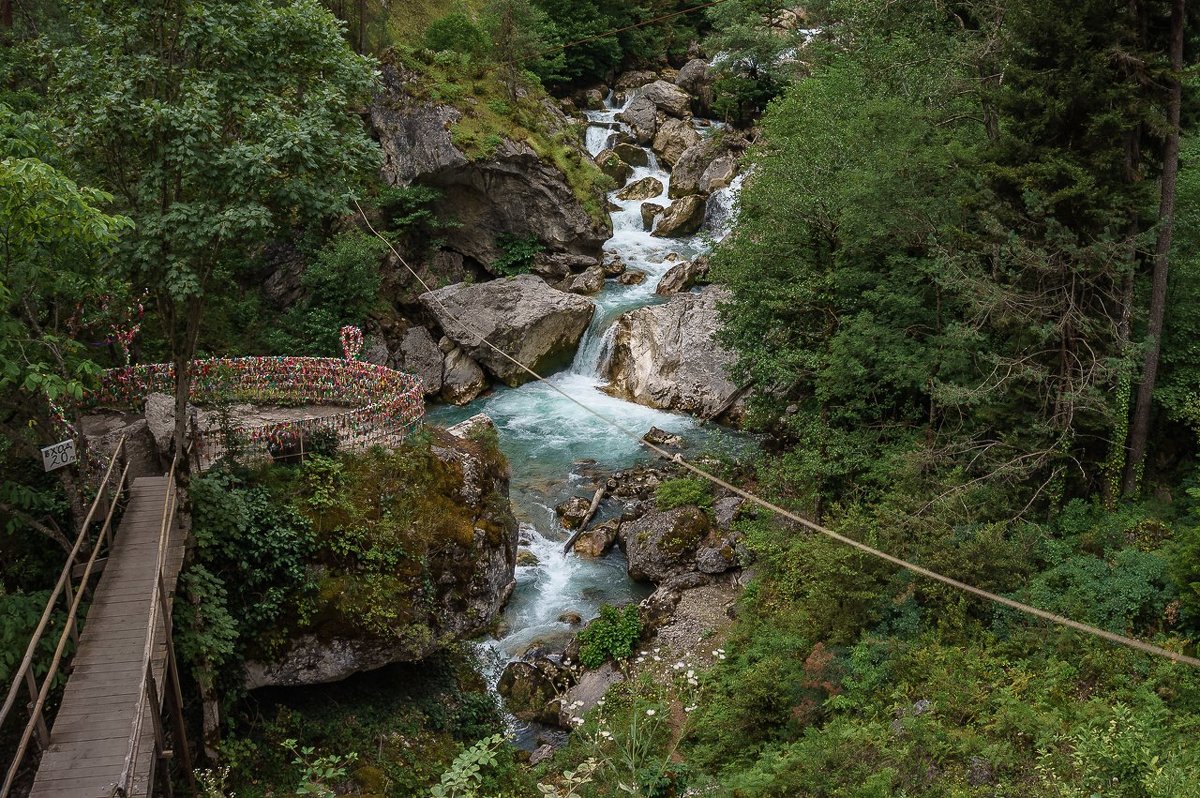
(512, 191)
(683, 218)
(666, 356)
(590, 281)
(669, 98)
(419, 355)
(632, 154)
(537, 325)
(694, 78)
(672, 138)
(462, 378)
(612, 165)
(650, 212)
(643, 189)
(665, 545)
(706, 166)
(642, 117)
(682, 276)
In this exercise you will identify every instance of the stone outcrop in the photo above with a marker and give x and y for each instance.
(682, 276)
(463, 577)
(664, 545)
(666, 356)
(706, 166)
(510, 191)
(587, 282)
(650, 212)
(684, 218)
(612, 165)
(672, 138)
(642, 189)
(694, 78)
(642, 117)
(632, 154)
(596, 541)
(524, 317)
(668, 98)
(462, 378)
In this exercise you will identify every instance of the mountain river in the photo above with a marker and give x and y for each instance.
(548, 440)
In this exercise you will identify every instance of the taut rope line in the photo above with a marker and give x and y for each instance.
(1036, 612)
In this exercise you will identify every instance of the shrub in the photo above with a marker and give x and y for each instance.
(683, 491)
(457, 33)
(611, 636)
(516, 254)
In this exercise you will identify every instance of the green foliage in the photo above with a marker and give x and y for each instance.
(614, 635)
(458, 33)
(516, 254)
(341, 286)
(757, 59)
(682, 491)
(318, 774)
(464, 778)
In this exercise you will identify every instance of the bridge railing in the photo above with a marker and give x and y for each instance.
(383, 405)
(105, 503)
(152, 691)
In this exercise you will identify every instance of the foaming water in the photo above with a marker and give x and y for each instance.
(554, 445)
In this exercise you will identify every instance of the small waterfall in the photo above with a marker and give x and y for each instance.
(551, 443)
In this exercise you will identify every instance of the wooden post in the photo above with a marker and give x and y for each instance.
(69, 595)
(43, 733)
(175, 696)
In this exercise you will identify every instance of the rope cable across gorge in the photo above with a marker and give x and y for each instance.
(1027, 609)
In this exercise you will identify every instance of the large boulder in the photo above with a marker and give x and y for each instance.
(694, 78)
(633, 79)
(632, 154)
(611, 164)
(531, 689)
(672, 138)
(683, 218)
(462, 378)
(537, 325)
(642, 189)
(596, 541)
(667, 356)
(706, 166)
(650, 212)
(642, 117)
(511, 191)
(664, 545)
(587, 692)
(682, 276)
(419, 354)
(589, 281)
(448, 587)
(669, 98)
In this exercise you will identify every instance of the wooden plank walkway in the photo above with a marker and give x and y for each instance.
(90, 738)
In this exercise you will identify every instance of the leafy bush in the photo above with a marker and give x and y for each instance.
(456, 32)
(611, 636)
(516, 254)
(683, 491)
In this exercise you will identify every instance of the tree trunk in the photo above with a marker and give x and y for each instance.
(6, 14)
(362, 26)
(1139, 430)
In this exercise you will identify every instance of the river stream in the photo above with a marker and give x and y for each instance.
(549, 440)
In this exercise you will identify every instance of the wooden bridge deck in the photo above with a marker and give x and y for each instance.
(90, 737)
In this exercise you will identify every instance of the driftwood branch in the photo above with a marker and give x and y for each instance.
(587, 519)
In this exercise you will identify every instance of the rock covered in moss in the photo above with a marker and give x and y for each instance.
(444, 568)
(531, 689)
(663, 545)
(509, 189)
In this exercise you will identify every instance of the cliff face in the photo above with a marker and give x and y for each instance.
(500, 163)
(408, 565)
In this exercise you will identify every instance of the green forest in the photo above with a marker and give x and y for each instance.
(961, 297)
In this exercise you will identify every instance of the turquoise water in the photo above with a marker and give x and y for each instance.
(551, 443)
